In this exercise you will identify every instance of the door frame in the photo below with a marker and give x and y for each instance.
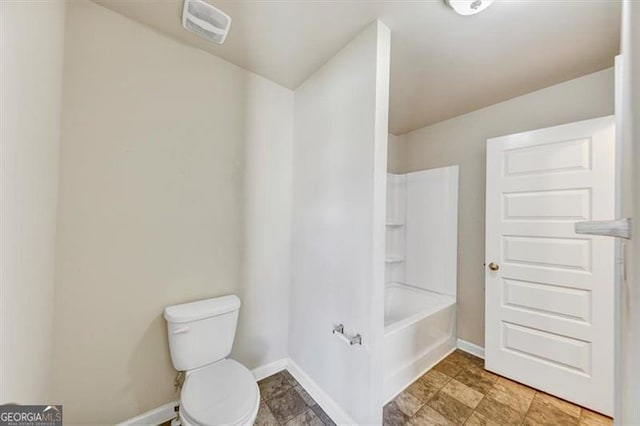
(627, 348)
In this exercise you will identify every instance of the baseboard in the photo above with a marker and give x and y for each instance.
(470, 348)
(166, 412)
(330, 407)
(269, 369)
(156, 416)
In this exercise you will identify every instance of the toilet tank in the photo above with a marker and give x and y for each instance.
(201, 332)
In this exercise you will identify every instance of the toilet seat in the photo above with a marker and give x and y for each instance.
(223, 393)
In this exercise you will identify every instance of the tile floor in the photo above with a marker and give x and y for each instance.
(285, 402)
(459, 391)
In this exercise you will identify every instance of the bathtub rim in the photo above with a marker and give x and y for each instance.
(412, 319)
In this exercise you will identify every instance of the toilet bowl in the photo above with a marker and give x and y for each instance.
(216, 390)
(224, 393)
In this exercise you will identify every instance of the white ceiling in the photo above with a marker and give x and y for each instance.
(442, 64)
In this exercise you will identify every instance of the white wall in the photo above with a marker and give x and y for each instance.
(264, 289)
(175, 180)
(31, 37)
(462, 140)
(339, 181)
(431, 229)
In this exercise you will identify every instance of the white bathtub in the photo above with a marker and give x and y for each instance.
(419, 330)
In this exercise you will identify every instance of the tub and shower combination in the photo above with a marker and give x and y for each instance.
(420, 294)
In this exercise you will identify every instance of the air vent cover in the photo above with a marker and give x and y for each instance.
(205, 20)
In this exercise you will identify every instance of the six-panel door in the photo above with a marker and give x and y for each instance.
(549, 303)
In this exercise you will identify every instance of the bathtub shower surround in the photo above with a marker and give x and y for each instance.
(421, 274)
(396, 227)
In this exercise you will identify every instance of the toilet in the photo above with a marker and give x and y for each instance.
(216, 390)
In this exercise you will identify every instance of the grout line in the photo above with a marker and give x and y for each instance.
(423, 404)
(440, 389)
(474, 409)
(526, 414)
(484, 395)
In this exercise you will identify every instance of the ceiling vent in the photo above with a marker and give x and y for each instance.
(205, 20)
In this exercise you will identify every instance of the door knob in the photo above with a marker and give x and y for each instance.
(494, 266)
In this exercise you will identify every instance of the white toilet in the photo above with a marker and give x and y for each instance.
(216, 390)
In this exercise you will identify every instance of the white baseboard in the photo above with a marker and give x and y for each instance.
(269, 369)
(329, 406)
(470, 348)
(166, 412)
(156, 416)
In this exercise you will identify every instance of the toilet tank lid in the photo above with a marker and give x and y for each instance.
(200, 309)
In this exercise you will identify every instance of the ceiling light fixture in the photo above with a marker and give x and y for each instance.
(469, 7)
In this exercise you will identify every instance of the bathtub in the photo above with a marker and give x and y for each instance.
(419, 330)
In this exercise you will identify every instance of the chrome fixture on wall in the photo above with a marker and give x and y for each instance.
(351, 340)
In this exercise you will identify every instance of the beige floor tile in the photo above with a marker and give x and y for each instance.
(450, 408)
(589, 418)
(475, 380)
(448, 367)
(429, 416)
(463, 393)
(459, 390)
(487, 375)
(408, 403)
(513, 394)
(474, 359)
(478, 419)
(459, 358)
(422, 391)
(542, 413)
(567, 407)
(499, 412)
(466, 360)
(435, 378)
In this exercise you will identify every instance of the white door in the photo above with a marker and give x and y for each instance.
(549, 291)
